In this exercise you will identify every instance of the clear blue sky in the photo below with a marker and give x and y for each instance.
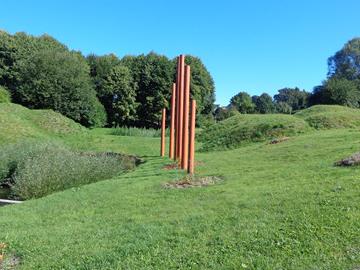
(254, 46)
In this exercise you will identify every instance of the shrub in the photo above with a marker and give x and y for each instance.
(34, 170)
(138, 132)
(4, 95)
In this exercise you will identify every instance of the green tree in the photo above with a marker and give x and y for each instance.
(264, 104)
(202, 85)
(242, 102)
(119, 96)
(346, 62)
(59, 81)
(4, 95)
(341, 91)
(283, 107)
(294, 97)
(152, 79)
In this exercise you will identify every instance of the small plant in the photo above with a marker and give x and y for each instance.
(138, 132)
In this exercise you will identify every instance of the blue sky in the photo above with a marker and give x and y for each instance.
(254, 46)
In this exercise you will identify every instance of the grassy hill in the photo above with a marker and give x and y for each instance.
(18, 122)
(245, 128)
(330, 116)
(279, 206)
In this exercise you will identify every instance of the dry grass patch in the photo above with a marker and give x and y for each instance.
(194, 181)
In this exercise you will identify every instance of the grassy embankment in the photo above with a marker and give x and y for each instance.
(280, 206)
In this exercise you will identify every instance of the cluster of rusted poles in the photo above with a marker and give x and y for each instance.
(182, 120)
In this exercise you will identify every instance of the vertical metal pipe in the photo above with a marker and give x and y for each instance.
(181, 105)
(172, 123)
(185, 153)
(163, 127)
(177, 109)
(191, 168)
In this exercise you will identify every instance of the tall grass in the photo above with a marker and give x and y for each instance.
(138, 132)
(34, 170)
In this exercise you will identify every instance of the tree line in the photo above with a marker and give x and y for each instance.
(341, 87)
(42, 73)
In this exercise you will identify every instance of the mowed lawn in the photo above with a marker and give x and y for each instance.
(282, 206)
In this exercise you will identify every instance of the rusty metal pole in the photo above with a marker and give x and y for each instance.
(181, 106)
(172, 123)
(185, 153)
(191, 167)
(177, 109)
(163, 127)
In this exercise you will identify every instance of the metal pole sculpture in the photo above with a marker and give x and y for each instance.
(163, 127)
(191, 168)
(172, 123)
(185, 152)
(182, 129)
(181, 107)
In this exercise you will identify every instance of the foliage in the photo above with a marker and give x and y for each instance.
(330, 116)
(283, 107)
(4, 95)
(264, 104)
(152, 76)
(242, 102)
(203, 120)
(39, 169)
(137, 132)
(294, 97)
(346, 62)
(202, 86)
(222, 113)
(241, 129)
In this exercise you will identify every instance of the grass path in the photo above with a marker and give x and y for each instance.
(280, 206)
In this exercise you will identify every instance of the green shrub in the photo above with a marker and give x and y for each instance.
(138, 132)
(245, 128)
(4, 95)
(34, 170)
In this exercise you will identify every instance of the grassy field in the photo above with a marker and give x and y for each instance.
(280, 206)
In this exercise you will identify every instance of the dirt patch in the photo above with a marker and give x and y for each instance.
(175, 166)
(349, 161)
(279, 140)
(193, 181)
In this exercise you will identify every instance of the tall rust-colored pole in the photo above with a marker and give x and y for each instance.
(181, 106)
(177, 109)
(172, 123)
(185, 152)
(191, 167)
(163, 127)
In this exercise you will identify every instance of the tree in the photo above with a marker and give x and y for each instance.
(222, 113)
(346, 62)
(152, 76)
(294, 97)
(119, 97)
(202, 85)
(264, 104)
(242, 102)
(342, 92)
(59, 81)
(283, 107)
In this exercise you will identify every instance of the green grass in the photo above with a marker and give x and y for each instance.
(18, 122)
(241, 129)
(282, 206)
(331, 116)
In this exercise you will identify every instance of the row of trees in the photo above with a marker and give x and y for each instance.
(40, 72)
(341, 87)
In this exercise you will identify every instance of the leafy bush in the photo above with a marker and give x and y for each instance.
(34, 170)
(4, 95)
(330, 116)
(138, 132)
(239, 129)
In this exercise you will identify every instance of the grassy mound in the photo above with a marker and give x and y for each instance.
(240, 129)
(331, 116)
(18, 122)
